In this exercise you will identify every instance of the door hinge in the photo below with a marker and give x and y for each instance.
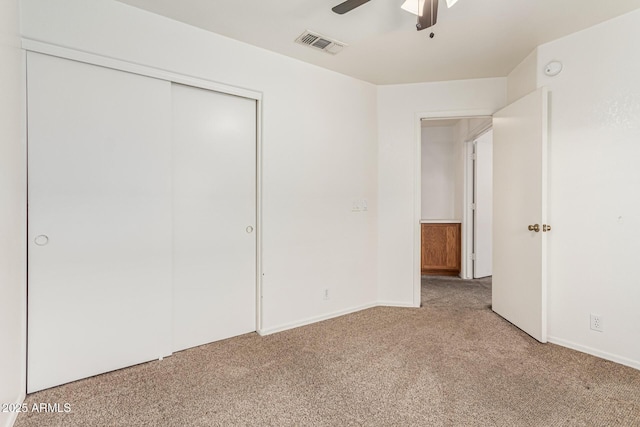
(473, 257)
(473, 206)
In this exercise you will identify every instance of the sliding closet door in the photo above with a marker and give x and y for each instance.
(99, 220)
(214, 216)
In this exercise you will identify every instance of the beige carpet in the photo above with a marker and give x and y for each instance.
(452, 362)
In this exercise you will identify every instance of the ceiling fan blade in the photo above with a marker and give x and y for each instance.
(348, 5)
(428, 15)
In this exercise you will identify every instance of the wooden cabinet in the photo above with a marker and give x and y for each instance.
(441, 249)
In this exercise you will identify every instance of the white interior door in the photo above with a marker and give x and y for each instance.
(99, 211)
(214, 216)
(483, 202)
(519, 200)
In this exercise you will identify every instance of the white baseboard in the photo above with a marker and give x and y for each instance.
(594, 352)
(8, 419)
(310, 320)
(396, 304)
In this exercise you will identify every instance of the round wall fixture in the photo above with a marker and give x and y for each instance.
(553, 68)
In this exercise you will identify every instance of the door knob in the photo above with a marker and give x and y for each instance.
(546, 227)
(534, 227)
(249, 229)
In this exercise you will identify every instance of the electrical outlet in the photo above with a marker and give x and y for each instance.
(597, 323)
(326, 294)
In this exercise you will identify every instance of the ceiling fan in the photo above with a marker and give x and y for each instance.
(427, 10)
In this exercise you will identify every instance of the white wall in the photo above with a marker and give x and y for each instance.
(523, 78)
(399, 109)
(312, 172)
(439, 167)
(594, 177)
(12, 212)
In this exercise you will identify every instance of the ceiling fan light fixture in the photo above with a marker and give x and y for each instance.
(415, 6)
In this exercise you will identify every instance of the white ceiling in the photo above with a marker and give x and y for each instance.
(473, 39)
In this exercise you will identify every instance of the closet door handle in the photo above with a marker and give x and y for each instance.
(41, 240)
(534, 227)
(249, 229)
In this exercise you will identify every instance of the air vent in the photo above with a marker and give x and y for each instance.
(320, 42)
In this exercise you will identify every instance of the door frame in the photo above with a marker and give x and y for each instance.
(198, 82)
(417, 195)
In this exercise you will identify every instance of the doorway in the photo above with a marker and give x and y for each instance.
(455, 196)
(519, 282)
